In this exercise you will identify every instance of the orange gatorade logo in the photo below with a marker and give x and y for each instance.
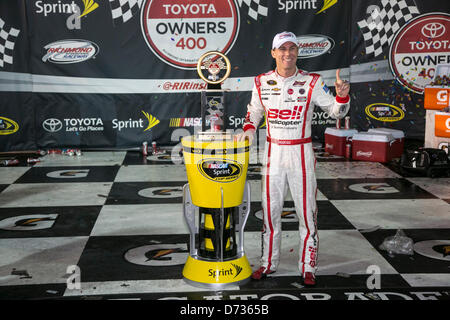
(442, 124)
(437, 98)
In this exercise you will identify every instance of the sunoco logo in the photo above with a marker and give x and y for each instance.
(179, 32)
(70, 51)
(418, 47)
(220, 170)
(314, 45)
(384, 112)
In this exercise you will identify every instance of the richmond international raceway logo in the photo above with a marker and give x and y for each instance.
(313, 45)
(70, 51)
(418, 47)
(179, 32)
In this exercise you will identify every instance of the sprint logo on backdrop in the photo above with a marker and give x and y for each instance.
(288, 5)
(96, 124)
(76, 10)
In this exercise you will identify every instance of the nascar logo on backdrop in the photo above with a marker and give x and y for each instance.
(8, 126)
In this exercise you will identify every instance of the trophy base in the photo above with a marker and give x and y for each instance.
(216, 275)
(213, 136)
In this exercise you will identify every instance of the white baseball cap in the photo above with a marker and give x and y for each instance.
(283, 37)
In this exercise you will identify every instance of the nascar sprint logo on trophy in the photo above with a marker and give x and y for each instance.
(178, 32)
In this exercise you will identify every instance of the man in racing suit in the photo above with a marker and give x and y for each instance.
(287, 96)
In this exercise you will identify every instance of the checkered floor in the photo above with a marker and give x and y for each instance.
(106, 215)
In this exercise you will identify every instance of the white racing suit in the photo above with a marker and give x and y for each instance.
(288, 105)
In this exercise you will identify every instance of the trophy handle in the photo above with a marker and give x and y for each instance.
(189, 215)
(244, 211)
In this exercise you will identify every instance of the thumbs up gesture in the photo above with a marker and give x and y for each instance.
(342, 87)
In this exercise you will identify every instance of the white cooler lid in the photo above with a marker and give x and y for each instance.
(340, 132)
(373, 136)
(397, 134)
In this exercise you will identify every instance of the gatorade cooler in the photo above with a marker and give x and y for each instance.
(336, 139)
(369, 146)
(399, 137)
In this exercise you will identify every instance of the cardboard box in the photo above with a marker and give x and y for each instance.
(336, 139)
(399, 143)
(369, 146)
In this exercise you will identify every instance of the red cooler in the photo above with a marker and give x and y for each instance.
(369, 146)
(399, 136)
(336, 139)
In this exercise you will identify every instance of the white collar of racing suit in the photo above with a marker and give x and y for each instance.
(297, 71)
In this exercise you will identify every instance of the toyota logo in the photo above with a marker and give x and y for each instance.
(52, 125)
(433, 30)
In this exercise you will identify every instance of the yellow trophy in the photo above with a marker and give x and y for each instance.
(217, 192)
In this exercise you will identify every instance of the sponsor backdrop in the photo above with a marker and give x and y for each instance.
(115, 73)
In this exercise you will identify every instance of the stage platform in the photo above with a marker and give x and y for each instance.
(115, 218)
